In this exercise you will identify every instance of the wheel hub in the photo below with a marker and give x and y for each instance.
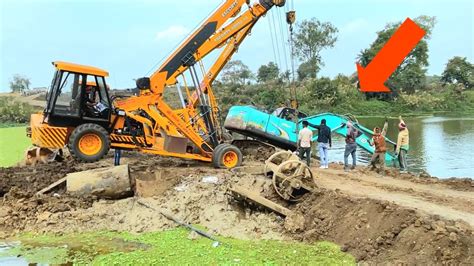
(90, 144)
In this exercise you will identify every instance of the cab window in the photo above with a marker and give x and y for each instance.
(68, 95)
(96, 102)
(289, 114)
(52, 92)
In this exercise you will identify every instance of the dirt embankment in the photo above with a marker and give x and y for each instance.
(380, 231)
(372, 217)
(450, 199)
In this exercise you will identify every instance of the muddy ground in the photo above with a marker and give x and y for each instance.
(392, 218)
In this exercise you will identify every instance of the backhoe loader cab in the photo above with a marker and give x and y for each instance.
(77, 114)
(78, 95)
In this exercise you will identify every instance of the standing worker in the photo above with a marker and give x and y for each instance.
(402, 145)
(117, 156)
(378, 139)
(351, 146)
(324, 142)
(305, 137)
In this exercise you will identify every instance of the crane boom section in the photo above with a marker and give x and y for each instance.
(212, 34)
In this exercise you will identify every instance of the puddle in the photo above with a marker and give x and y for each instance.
(10, 260)
(63, 251)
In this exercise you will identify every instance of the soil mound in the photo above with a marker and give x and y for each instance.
(380, 231)
(373, 230)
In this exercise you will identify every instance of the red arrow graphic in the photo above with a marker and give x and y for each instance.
(405, 38)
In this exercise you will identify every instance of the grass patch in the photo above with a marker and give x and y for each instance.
(174, 247)
(12, 124)
(13, 143)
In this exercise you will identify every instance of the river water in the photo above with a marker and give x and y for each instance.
(440, 145)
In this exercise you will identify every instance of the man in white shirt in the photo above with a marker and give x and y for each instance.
(305, 137)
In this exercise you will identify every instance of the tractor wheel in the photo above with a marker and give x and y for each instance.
(227, 157)
(89, 143)
(219, 147)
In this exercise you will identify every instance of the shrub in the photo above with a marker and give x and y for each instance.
(12, 111)
(423, 101)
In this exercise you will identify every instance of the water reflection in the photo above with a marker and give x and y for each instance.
(440, 145)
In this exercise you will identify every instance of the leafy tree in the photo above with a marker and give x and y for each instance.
(308, 69)
(342, 79)
(311, 37)
(268, 72)
(286, 75)
(323, 88)
(19, 84)
(12, 111)
(270, 97)
(411, 73)
(459, 71)
(236, 72)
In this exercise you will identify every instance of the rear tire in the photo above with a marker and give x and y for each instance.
(89, 143)
(227, 157)
(219, 147)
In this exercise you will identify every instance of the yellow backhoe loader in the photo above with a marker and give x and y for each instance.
(89, 125)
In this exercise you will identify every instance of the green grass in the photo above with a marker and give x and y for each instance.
(175, 248)
(13, 143)
(11, 124)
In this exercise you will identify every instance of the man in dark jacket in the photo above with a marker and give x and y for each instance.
(324, 142)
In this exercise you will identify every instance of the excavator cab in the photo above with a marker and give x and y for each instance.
(288, 113)
(78, 95)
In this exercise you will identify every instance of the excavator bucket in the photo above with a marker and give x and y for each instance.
(35, 155)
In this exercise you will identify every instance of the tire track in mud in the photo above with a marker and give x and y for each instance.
(462, 201)
(431, 199)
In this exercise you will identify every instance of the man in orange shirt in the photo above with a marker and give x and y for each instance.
(378, 140)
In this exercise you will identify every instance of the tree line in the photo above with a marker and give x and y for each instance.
(412, 89)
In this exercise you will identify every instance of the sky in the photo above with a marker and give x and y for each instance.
(130, 38)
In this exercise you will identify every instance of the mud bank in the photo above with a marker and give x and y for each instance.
(380, 231)
(374, 230)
